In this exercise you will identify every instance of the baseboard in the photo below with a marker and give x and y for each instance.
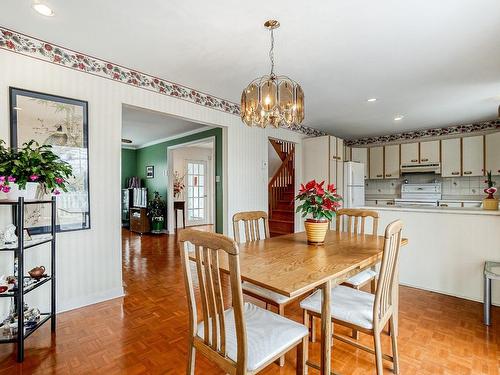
(449, 294)
(92, 299)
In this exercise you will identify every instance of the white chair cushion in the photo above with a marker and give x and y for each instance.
(268, 334)
(361, 277)
(263, 292)
(347, 305)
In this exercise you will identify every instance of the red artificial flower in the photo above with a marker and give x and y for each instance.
(10, 44)
(331, 188)
(319, 188)
(48, 47)
(311, 185)
(327, 204)
(302, 189)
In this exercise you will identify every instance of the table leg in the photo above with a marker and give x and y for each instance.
(326, 330)
(184, 218)
(487, 300)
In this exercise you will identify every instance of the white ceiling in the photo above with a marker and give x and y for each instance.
(435, 62)
(142, 126)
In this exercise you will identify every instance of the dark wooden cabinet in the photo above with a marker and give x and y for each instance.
(139, 221)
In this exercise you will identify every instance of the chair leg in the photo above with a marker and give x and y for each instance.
(191, 359)
(378, 353)
(313, 329)
(281, 311)
(394, 341)
(302, 351)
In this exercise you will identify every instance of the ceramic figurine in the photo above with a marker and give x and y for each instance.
(10, 234)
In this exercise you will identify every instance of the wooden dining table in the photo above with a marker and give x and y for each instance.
(289, 266)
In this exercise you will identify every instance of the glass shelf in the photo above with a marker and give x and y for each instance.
(44, 317)
(37, 239)
(27, 289)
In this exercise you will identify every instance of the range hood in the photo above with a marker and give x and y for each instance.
(421, 168)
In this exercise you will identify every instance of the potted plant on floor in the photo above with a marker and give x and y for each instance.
(32, 171)
(322, 205)
(156, 211)
(490, 202)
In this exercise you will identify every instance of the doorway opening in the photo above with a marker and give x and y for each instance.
(281, 187)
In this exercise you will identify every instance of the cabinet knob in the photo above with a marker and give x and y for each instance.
(379, 175)
(414, 160)
(455, 173)
(468, 172)
(443, 205)
(424, 159)
(388, 175)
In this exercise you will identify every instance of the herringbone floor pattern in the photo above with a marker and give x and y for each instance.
(145, 332)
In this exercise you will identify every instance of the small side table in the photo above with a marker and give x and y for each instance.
(491, 272)
(180, 205)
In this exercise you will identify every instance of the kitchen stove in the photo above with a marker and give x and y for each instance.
(419, 195)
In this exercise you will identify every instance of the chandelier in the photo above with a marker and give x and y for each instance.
(272, 99)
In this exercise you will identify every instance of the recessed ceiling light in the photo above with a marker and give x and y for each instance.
(372, 100)
(398, 118)
(43, 9)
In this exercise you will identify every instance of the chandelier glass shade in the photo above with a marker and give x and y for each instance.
(272, 99)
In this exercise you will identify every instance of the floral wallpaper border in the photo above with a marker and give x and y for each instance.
(26, 45)
(417, 134)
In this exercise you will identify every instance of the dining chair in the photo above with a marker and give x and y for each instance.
(356, 223)
(244, 338)
(364, 311)
(254, 231)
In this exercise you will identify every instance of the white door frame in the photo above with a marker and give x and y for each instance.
(170, 182)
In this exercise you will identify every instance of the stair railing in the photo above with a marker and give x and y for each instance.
(284, 176)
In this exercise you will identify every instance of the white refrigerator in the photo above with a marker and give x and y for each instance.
(354, 184)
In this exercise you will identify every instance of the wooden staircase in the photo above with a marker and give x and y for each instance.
(281, 191)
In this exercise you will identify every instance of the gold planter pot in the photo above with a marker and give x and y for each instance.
(490, 204)
(316, 231)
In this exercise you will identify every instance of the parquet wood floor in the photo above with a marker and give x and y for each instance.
(145, 332)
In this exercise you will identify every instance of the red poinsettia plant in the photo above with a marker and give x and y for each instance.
(490, 190)
(319, 202)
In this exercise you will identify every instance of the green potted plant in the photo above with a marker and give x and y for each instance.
(490, 202)
(32, 171)
(156, 211)
(322, 205)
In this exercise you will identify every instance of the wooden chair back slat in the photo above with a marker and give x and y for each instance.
(206, 248)
(384, 296)
(251, 223)
(356, 220)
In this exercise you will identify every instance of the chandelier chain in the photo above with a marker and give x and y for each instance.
(271, 53)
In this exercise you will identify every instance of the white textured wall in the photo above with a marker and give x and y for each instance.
(95, 254)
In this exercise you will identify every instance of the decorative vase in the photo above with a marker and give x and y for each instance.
(157, 226)
(316, 231)
(490, 204)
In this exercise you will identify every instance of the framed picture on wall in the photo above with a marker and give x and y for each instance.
(150, 171)
(62, 123)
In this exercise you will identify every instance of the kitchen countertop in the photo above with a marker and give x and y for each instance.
(440, 210)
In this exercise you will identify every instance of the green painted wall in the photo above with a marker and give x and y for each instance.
(129, 164)
(156, 155)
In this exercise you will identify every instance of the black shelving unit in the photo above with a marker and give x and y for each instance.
(18, 293)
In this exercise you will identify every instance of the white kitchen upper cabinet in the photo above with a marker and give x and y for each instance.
(360, 155)
(347, 153)
(409, 153)
(450, 157)
(493, 153)
(340, 149)
(333, 148)
(315, 156)
(473, 156)
(376, 162)
(429, 152)
(391, 161)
